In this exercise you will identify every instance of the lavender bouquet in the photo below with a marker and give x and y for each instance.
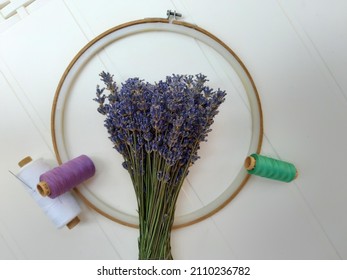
(157, 128)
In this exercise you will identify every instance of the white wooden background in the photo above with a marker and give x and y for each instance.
(296, 53)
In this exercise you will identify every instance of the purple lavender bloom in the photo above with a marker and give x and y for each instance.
(158, 127)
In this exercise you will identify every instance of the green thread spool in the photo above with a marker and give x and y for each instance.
(270, 168)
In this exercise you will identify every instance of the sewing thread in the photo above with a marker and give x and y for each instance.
(63, 210)
(65, 177)
(270, 168)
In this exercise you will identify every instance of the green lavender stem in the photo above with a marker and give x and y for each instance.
(155, 228)
(157, 203)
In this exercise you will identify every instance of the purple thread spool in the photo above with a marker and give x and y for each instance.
(65, 177)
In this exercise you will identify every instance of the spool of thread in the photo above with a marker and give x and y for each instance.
(62, 211)
(270, 168)
(65, 177)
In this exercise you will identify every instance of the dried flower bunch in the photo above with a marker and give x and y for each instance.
(158, 128)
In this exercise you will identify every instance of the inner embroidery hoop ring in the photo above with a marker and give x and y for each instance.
(146, 25)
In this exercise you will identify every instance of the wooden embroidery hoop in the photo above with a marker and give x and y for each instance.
(158, 24)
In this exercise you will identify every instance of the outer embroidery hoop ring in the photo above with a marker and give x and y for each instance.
(145, 25)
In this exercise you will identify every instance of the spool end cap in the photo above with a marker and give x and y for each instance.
(73, 222)
(25, 161)
(250, 163)
(43, 188)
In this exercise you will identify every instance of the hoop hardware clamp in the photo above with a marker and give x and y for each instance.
(175, 15)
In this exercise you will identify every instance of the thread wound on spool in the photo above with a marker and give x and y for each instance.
(63, 211)
(271, 168)
(65, 177)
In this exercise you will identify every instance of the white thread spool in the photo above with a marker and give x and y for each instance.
(62, 210)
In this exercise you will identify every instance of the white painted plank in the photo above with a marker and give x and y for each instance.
(40, 49)
(97, 18)
(289, 87)
(321, 28)
(25, 101)
(6, 253)
(321, 25)
(8, 248)
(201, 241)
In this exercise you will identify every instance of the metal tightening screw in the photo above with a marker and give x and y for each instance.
(170, 13)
